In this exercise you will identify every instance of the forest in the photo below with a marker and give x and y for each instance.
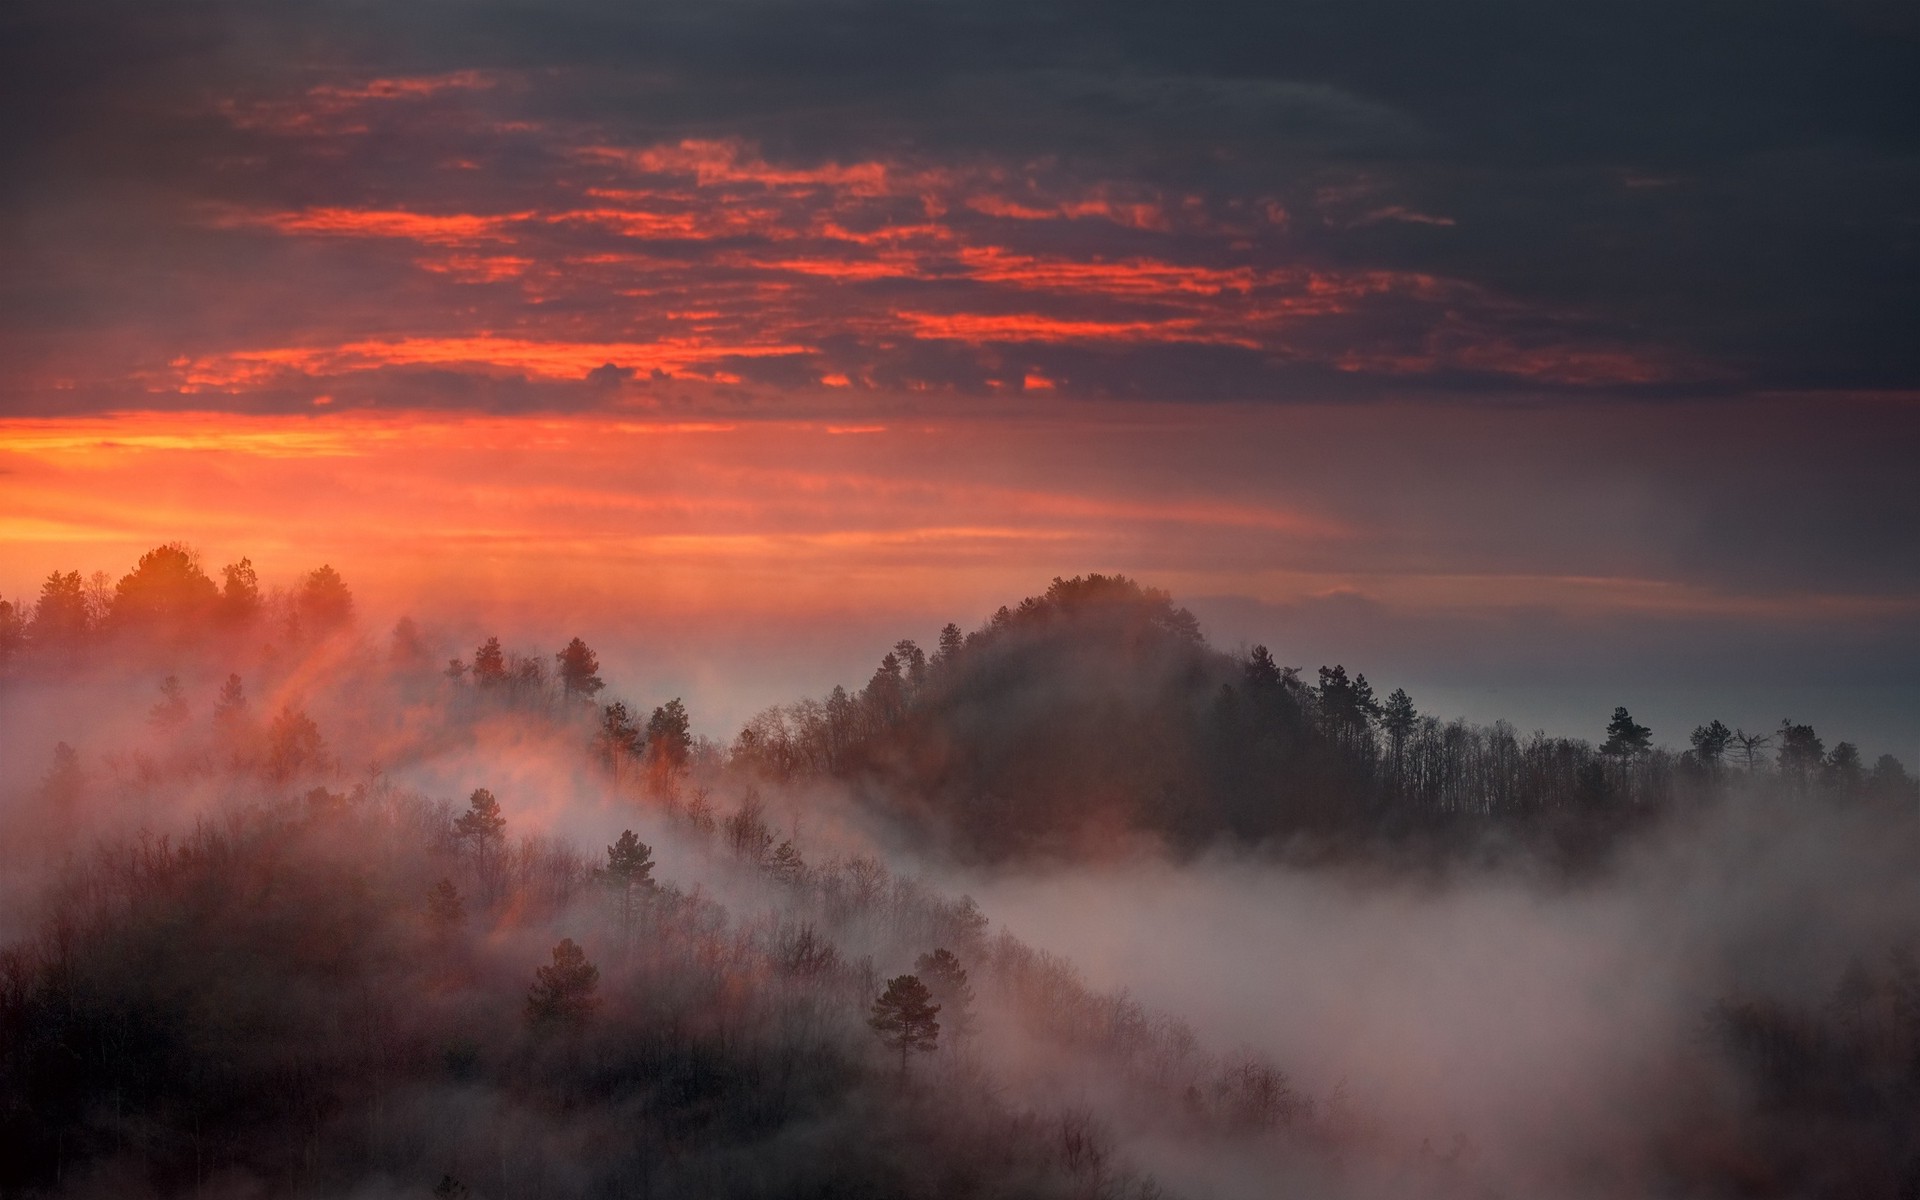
(294, 903)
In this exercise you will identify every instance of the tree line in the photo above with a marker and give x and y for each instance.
(1099, 702)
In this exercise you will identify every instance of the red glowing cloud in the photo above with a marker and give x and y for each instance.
(702, 260)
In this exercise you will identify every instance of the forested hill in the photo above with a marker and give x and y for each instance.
(1081, 721)
(1097, 711)
(252, 944)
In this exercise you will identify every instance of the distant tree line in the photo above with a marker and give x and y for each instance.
(1098, 706)
(166, 599)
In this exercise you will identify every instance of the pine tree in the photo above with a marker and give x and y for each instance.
(489, 664)
(1398, 718)
(670, 736)
(481, 826)
(1710, 742)
(629, 872)
(294, 743)
(903, 1016)
(240, 597)
(323, 602)
(1801, 753)
(563, 994)
(1626, 738)
(579, 670)
(1260, 669)
(952, 641)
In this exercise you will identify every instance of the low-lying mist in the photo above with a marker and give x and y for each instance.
(1565, 1034)
(292, 906)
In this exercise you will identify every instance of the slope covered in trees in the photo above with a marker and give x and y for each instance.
(1097, 711)
(291, 908)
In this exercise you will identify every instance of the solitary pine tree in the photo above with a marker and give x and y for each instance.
(166, 593)
(324, 603)
(61, 617)
(670, 735)
(240, 597)
(481, 826)
(903, 1016)
(489, 664)
(1625, 737)
(579, 670)
(563, 994)
(629, 872)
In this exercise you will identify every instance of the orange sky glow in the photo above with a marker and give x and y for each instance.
(497, 357)
(732, 518)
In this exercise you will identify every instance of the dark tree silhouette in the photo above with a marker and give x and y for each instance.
(903, 1016)
(481, 826)
(1751, 744)
(1625, 737)
(62, 617)
(628, 873)
(563, 993)
(951, 641)
(490, 664)
(240, 595)
(1347, 706)
(1261, 671)
(669, 735)
(166, 593)
(579, 670)
(293, 744)
(323, 603)
(1398, 720)
(1802, 753)
(616, 738)
(1845, 769)
(1710, 742)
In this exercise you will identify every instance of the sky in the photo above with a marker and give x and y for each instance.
(1536, 357)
